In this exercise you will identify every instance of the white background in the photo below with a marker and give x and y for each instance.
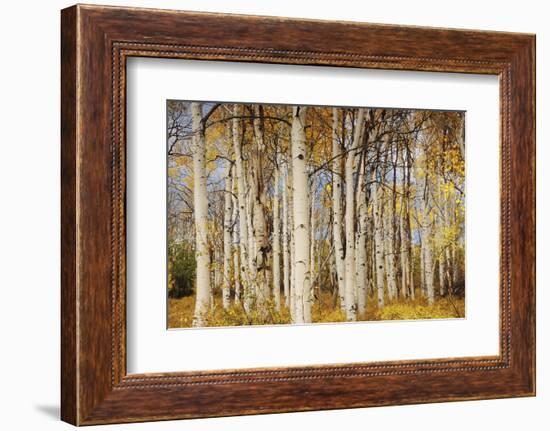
(29, 218)
(151, 348)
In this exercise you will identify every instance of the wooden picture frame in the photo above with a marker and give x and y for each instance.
(95, 43)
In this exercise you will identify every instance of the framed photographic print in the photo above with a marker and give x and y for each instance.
(269, 215)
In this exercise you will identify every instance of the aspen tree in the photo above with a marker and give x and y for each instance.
(258, 205)
(378, 240)
(339, 251)
(426, 233)
(227, 234)
(362, 241)
(242, 205)
(300, 210)
(286, 242)
(276, 241)
(200, 198)
(350, 282)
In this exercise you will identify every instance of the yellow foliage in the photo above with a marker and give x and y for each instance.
(444, 308)
(324, 310)
(173, 172)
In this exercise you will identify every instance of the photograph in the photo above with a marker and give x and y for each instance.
(281, 214)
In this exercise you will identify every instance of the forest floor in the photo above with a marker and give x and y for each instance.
(180, 312)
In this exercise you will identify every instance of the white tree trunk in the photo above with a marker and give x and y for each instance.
(300, 209)
(448, 250)
(234, 239)
(410, 250)
(286, 242)
(405, 232)
(200, 199)
(454, 272)
(227, 226)
(349, 293)
(361, 264)
(378, 241)
(405, 268)
(308, 295)
(422, 268)
(276, 242)
(441, 233)
(454, 254)
(349, 276)
(426, 236)
(251, 244)
(259, 223)
(242, 204)
(339, 251)
(448, 271)
(292, 243)
(236, 272)
(391, 274)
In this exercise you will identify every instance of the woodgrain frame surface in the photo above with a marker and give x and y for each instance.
(96, 42)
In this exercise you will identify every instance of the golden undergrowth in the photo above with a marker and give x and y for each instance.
(180, 312)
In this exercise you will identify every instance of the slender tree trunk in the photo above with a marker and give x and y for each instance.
(236, 272)
(393, 222)
(411, 262)
(404, 251)
(422, 267)
(339, 251)
(371, 264)
(292, 242)
(455, 262)
(407, 221)
(441, 268)
(261, 237)
(389, 253)
(227, 225)
(404, 233)
(350, 282)
(449, 250)
(200, 198)
(252, 246)
(349, 291)
(286, 241)
(378, 240)
(308, 295)
(300, 209)
(242, 204)
(448, 271)
(389, 239)
(214, 272)
(426, 235)
(312, 269)
(441, 233)
(418, 208)
(276, 242)
(454, 273)
(234, 239)
(362, 242)
(461, 138)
